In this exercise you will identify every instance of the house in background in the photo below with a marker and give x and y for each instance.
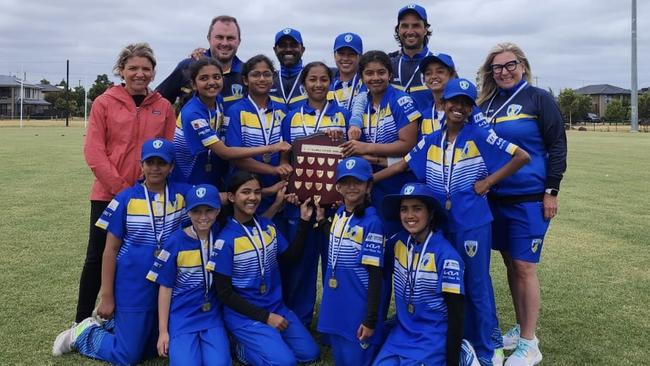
(602, 94)
(33, 103)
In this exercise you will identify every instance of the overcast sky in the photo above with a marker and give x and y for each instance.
(569, 43)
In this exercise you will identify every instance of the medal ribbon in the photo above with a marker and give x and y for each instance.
(334, 254)
(447, 181)
(152, 218)
(284, 94)
(489, 119)
(411, 280)
(259, 252)
(266, 135)
(379, 118)
(351, 88)
(399, 73)
(319, 118)
(205, 254)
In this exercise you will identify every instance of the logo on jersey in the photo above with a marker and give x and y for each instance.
(200, 192)
(464, 84)
(534, 246)
(199, 123)
(451, 264)
(286, 30)
(404, 100)
(350, 164)
(237, 89)
(411, 6)
(409, 189)
(156, 112)
(471, 246)
(513, 109)
(157, 144)
(348, 38)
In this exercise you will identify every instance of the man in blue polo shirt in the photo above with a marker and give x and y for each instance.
(412, 33)
(224, 37)
(286, 88)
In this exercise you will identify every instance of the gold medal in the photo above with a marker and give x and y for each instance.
(263, 288)
(448, 204)
(208, 168)
(333, 283)
(411, 308)
(206, 306)
(266, 158)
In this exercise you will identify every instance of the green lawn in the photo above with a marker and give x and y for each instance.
(595, 270)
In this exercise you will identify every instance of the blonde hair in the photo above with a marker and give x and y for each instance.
(484, 78)
(135, 49)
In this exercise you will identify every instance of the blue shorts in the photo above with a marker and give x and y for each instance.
(519, 229)
(206, 347)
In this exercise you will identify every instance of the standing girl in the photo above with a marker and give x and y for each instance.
(202, 128)
(138, 220)
(190, 320)
(351, 312)
(247, 279)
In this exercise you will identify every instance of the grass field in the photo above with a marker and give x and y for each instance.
(595, 270)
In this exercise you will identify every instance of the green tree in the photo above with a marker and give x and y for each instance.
(101, 84)
(44, 81)
(77, 95)
(615, 111)
(573, 105)
(644, 106)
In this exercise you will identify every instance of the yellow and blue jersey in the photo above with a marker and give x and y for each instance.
(440, 271)
(408, 77)
(343, 309)
(301, 121)
(533, 121)
(295, 92)
(181, 267)
(235, 256)
(127, 218)
(342, 92)
(197, 128)
(477, 152)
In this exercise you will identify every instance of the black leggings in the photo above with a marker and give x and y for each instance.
(91, 275)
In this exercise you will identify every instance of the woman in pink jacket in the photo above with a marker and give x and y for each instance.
(120, 121)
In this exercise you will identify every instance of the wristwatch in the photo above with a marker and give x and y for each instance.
(552, 191)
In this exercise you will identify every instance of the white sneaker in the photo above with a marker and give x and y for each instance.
(511, 338)
(498, 358)
(526, 354)
(468, 356)
(64, 342)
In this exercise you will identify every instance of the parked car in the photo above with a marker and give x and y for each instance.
(592, 117)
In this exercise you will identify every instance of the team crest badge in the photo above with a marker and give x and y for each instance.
(200, 192)
(237, 89)
(411, 6)
(157, 144)
(286, 30)
(350, 164)
(409, 189)
(534, 246)
(464, 84)
(471, 246)
(513, 109)
(348, 38)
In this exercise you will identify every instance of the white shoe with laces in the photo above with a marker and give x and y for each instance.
(498, 358)
(526, 354)
(64, 342)
(468, 356)
(511, 338)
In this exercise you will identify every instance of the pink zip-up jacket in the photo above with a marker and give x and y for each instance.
(116, 131)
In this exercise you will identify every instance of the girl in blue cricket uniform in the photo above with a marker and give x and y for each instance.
(138, 221)
(461, 163)
(256, 121)
(190, 319)
(524, 203)
(390, 126)
(316, 115)
(247, 279)
(202, 127)
(429, 286)
(346, 83)
(351, 312)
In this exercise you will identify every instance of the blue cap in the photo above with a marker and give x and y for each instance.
(456, 87)
(288, 32)
(354, 167)
(202, 195)
(442, 58)
(419, 10)
(351, 40)
(160, 148)
(420, 191)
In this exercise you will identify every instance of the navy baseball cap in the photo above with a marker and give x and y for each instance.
(456, 87)
(419, 191)
(419, 10)
(202, 195)
(354, 167)
(442, 58)
(351, 40)
(288, 32)
(160, 148)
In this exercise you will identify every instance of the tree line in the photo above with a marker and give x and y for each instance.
(574, 107)
(76, 98)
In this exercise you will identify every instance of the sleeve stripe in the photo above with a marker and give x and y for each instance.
(210, 266)
(370, 260)
(102, 224)
(511, 149)
(210, 140)
(152, 276)
(453, 288)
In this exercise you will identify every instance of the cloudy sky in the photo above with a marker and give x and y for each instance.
(570, 43)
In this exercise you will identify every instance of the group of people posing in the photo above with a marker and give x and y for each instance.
(199, 253)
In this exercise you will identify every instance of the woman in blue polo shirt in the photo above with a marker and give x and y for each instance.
(462, 162)
(190, 319)
(247, 278)
(138, 221)
(524, 203)
(202, 127)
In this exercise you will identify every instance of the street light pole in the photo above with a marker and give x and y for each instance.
(634, 100)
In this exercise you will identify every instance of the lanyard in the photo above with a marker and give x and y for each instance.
(259, 252)
(152, 217)
(266, 134)
(399, 73)
(487, 110)
(334, 254)
(319, 118)
(434, 118)
(348, 101)
(411, 280)
(217, 125)
(447, 181)
(379, 118)
(284, 94)
(205, 253)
